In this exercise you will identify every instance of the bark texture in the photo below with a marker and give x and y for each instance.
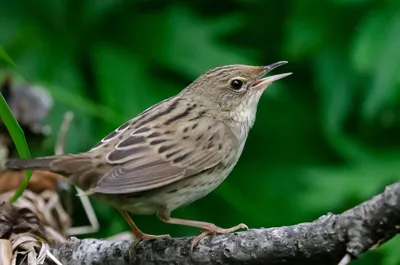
(325, 241)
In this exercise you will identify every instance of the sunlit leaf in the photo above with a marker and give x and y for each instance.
(119, 70)
(337, 88)
(192, 45)
(307, 31)
(385, 85)
(5, 58)
(374, 176)
(367, 44)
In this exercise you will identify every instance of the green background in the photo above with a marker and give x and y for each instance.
(325, 139)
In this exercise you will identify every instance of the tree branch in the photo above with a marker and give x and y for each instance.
(324, 241)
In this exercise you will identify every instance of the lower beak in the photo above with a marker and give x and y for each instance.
(262, 82)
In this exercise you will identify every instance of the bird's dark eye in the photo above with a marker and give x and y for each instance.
(236, 84)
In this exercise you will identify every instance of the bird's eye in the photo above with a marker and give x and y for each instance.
(236, 84)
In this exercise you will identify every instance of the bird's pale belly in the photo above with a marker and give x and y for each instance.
(174, 195)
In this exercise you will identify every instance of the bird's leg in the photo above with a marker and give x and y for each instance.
(136, 231)
(210, 228)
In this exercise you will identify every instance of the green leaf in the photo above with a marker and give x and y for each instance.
(192, 45)
(336, 89)
(309, 29)
(18, 137)
(385, 85)
(4, 56)
(369, 38)
(120, 70)
(375, 52)
(357, 182)
(15, 131)
(85, 105)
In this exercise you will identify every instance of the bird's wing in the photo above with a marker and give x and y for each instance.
(148, 157)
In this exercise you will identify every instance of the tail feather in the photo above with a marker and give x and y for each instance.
(67, 164)
(79, 169)
(42, 163)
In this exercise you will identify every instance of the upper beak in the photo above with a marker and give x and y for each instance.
(269, 79)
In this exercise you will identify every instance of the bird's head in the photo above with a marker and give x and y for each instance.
(235, 89)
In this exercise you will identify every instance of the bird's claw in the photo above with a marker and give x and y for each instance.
(216, 230)
(150, 237)
(243, 226)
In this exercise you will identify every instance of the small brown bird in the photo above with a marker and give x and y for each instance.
(173, 153)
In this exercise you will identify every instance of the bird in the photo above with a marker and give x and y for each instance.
(174, 152)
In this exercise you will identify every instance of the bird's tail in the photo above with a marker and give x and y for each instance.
(42, 163)
(63, 164)
(77, 168)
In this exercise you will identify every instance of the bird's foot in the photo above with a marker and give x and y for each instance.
(213, 229)
(144, 236)
(140, 236)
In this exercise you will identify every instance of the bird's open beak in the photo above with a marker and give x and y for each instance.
(263, 82)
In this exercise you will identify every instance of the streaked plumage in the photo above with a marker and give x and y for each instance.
(173, 153)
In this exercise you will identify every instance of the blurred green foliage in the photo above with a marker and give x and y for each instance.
(325, 139)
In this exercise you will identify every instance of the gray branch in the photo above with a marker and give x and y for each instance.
(324, 241)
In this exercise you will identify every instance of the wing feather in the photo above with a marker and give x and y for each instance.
(149, 159)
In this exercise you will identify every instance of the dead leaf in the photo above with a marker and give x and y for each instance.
(39, 182)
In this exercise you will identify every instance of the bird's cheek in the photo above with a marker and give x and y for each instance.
(226, 99)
